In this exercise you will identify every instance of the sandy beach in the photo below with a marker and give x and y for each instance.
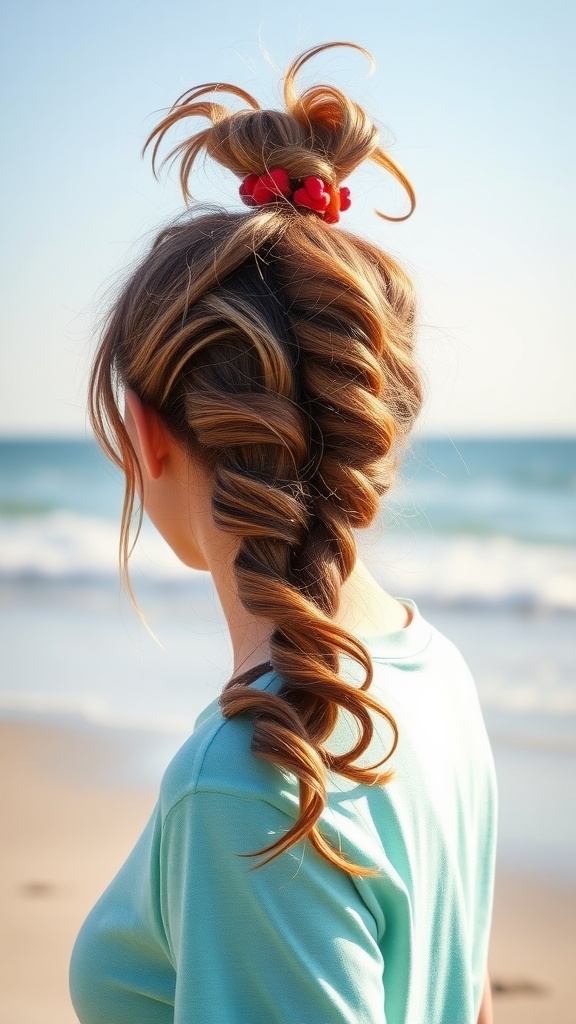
(71, 809)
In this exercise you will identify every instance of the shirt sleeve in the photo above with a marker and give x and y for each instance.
(288, 943)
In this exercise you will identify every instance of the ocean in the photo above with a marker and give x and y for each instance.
(481, 533)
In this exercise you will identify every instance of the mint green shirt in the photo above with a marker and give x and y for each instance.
(189, 933)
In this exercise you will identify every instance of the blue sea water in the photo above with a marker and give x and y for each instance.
(481, 533)
(498, 515)
(473, 526)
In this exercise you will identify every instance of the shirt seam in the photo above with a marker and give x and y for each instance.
(200, 758)
(408, 654)
(221, 791)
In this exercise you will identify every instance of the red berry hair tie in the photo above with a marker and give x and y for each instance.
(313, 194)
(258, 189)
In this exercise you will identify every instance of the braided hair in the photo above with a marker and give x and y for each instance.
(279, 352)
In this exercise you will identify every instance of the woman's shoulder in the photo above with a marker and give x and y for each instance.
(217, 758)
(409, 664)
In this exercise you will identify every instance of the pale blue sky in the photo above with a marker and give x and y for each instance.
(478, 100)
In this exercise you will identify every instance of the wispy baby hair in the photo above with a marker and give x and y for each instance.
(322, 133)
(279, 352)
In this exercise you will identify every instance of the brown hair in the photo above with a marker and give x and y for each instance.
(279, 350)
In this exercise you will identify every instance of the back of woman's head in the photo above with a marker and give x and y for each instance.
(279, 351)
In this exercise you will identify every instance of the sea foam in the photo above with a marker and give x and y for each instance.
(66, 547)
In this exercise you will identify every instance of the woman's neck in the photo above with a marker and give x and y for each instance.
(365, 608)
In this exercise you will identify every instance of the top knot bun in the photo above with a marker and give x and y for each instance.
(322, 134)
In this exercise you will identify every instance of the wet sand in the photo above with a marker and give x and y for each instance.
(71, 809)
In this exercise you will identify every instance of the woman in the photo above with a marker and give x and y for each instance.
(322, 849)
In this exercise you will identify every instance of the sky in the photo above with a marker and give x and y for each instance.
(474, 101)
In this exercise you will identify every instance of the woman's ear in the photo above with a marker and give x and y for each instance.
(147, 433)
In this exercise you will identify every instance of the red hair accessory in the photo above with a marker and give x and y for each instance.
(258, 189)
(314, 194)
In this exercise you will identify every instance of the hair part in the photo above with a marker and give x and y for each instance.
(279, 352)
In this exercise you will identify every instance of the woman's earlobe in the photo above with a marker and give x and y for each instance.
(147, 434)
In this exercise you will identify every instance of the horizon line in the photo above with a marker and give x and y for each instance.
(18, 437)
